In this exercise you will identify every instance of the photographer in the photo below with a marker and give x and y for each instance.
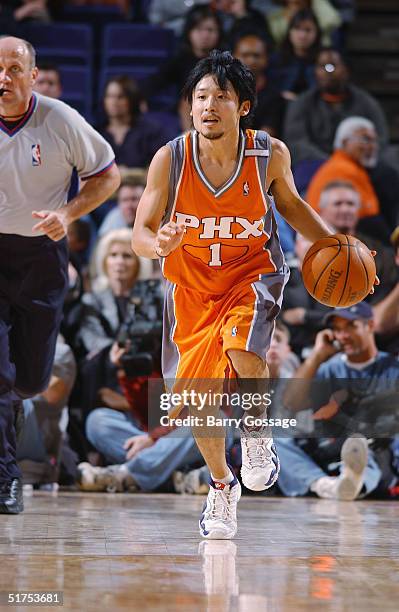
(355, 379)
(140, 459)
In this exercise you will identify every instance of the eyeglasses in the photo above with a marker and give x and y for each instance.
(364, 139)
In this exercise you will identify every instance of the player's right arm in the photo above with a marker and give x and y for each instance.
(148, 239)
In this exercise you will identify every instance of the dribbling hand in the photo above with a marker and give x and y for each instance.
(168, 238)
(53, 223)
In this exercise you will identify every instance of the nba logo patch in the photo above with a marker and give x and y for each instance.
(245, 188)
(234, 331)
(36, 155)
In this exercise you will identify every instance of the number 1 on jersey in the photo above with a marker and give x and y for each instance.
(215, 255)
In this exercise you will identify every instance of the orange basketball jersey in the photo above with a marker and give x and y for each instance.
(231, 234)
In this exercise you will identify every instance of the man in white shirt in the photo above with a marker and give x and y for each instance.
(41, 141)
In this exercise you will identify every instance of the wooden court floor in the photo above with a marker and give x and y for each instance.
(143, 552)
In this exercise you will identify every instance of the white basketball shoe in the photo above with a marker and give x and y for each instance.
(260, 462)
(219, 515)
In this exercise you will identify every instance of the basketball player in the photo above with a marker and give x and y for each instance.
(206, 214)
(41, 141)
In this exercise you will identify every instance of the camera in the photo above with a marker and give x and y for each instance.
(141, 331)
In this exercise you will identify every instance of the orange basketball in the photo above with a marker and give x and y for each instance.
(338, 271)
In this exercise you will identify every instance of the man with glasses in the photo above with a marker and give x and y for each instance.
(356, 160)
(312, 119)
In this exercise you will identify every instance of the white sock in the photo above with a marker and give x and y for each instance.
(226, 480)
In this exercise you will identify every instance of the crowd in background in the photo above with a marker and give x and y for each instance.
(95, 411)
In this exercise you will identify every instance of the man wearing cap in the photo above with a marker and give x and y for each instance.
(345, 358)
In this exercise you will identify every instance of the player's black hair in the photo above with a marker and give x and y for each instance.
(225, 68)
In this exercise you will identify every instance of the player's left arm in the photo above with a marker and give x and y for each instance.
(289, 203)
(94, 192)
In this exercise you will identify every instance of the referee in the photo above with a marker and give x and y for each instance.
(41, 141)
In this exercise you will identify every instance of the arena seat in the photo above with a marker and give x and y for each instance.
(53, 42)
(77, 88)
(136, 44)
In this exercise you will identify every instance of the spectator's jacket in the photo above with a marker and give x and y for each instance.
(342, 167)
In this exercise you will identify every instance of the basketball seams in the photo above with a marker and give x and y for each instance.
(309, 254)
(326, 266)
(347, 270)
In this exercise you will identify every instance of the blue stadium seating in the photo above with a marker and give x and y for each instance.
(62, 43)
(77, 88)
(136, 44)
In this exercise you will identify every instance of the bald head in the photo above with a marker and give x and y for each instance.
(18, 47)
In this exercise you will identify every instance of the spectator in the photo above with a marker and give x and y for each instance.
(46, 418)
(105, 309)
(244, 18)
(302, 314)
(386, 312)
(202, 33)
(339, 207)
(252, 50)
(133, 137)
(79, 242)
(281, 361)
(124, 214)
(172, 13)
(356, 160)
(327, 17)
(292, 68)
(312, 119)
(48, 82)
(140, 459)
(353, 376)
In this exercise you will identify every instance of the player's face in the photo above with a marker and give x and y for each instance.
(128, 201)
(341, 209)
(216, 112)
(362, 145)
(252, 52)
(121, 264)
(116, 103)
(48, 83)
(354, 336)
(16, 77)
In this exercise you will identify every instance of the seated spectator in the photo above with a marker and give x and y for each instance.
(141, 459)
(48, 81)
(339, 207)
(133, 137)
(128, 198)
(105, 309)
(386, 312)
(79, 241)
(327, 17)
(354, 160)
(301, 313)
(46, 417)
(292, 67)
(202, 33)
(346, 373)
(252, 50)
(244, 18)
(281, 361)
(312, 119)
(172, 13)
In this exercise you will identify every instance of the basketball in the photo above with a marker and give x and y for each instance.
(338, 271)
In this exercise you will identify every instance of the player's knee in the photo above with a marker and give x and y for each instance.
(247, 365)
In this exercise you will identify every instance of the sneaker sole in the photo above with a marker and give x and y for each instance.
(354, 455)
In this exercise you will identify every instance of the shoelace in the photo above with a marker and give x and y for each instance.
(220, 507)
(258, 453)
